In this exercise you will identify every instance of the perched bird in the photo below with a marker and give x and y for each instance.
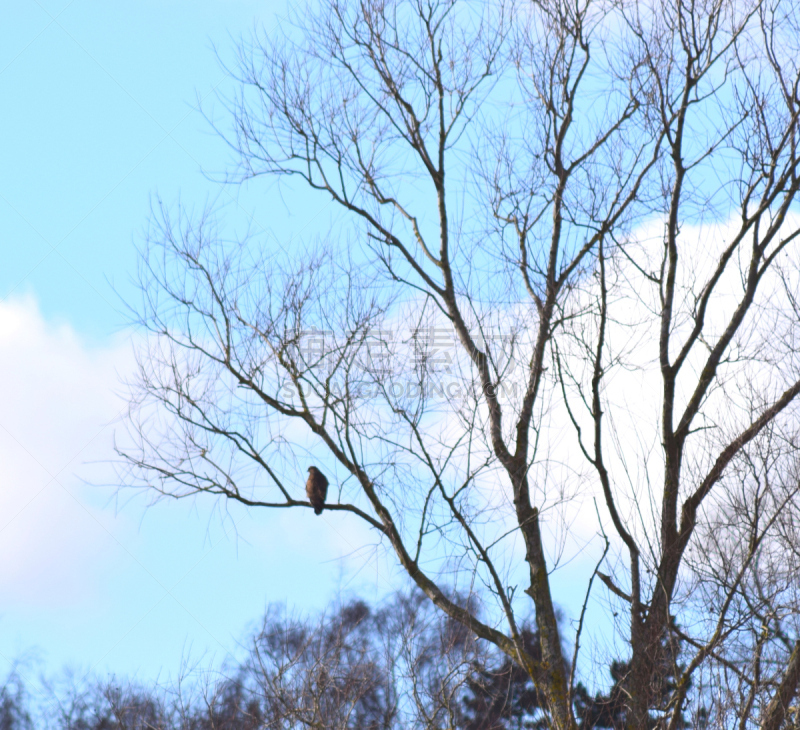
(316, 489)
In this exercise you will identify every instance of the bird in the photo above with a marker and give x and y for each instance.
(316, 489)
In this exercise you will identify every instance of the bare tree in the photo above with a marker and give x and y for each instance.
(14, 697)
(400, 664)
(598, 202)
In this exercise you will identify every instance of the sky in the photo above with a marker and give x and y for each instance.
(99, 117)
(99, 120)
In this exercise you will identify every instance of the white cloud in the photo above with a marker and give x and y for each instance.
(67, 544)
(59, 538)
(57, 404)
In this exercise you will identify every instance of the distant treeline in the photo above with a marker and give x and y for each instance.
(400, 664)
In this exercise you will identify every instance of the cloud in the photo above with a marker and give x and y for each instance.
(113, 585)
(57, 406)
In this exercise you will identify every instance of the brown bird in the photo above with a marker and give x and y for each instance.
(316, 489)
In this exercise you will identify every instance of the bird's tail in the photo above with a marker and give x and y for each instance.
(317, 510)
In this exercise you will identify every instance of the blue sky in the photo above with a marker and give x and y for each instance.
(100, 113)
(98, 116)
